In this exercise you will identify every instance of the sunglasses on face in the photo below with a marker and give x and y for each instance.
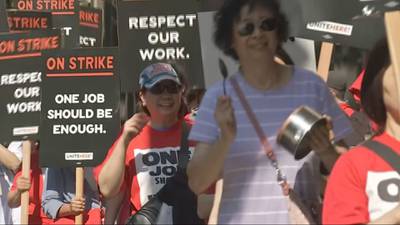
(170, 87)
(247, 28)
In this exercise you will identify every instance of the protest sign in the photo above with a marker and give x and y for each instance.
(345, 22)
(28, 20)
(90, 27)
(158, 31)
(20, 81)
(80, 98)
(65, 16)
(345, 11)
(3, 17)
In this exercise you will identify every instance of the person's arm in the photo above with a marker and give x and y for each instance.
(52, 199)
(330, 154)
(113, 207)
(204, 205)
(54, 204)
(14, 196)
(74, 208)
(320, 142)
(8, 159)
(112, 174)
(208, 159)
(206, 164)
(337, 128)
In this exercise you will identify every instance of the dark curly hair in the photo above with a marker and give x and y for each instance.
(372, 84)
(230, 12)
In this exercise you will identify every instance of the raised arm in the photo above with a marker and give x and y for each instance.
(112, 174)
(320, 141)
(208, 159)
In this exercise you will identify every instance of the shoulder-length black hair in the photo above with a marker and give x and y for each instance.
(372, 84)
(230, 12)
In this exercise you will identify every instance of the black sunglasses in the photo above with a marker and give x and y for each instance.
(248, 28)
(170, 87)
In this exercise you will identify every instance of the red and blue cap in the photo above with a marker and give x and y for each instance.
(155, 73)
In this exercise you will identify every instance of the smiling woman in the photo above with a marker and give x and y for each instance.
(162, 94)
(145, 157)
(252, 32)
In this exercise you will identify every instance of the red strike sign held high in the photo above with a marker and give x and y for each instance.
(59, 5)
(80, 63)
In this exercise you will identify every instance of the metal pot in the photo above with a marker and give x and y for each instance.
(295, 131)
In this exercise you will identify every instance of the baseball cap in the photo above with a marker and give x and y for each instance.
(157, 72)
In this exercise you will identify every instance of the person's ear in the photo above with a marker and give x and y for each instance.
(142, 98)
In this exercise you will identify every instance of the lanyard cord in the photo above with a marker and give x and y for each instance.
(280, 177)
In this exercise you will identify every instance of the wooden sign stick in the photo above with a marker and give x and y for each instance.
(392, 22)
(217, 202)
(26, 167)
(79, 191)
(324, 61)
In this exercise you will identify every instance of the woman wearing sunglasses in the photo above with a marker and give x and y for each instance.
(145, 154)
(252, 31)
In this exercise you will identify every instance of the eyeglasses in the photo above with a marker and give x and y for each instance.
(170, 87)
(247, 28)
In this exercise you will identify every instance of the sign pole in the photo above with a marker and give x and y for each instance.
(79, 191)
(393, 36)
(216, 203)
(392, 22)
(324, 61)
(26, 166)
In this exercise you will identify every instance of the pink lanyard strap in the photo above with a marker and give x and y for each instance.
(281, 178)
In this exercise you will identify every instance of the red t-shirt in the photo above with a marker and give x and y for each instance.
(151, 158)
(355, 87)
(36, 214)
(362, 186)
(346, 108)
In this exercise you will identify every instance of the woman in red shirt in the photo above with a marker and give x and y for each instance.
(145, 155)
(363, 188)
